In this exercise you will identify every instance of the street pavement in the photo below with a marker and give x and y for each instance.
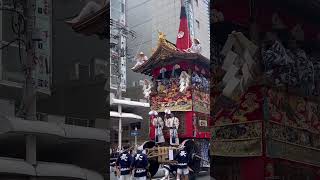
(205, 177)
(199, 177)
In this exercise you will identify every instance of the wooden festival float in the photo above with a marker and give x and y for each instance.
(265, 95)
(191, 106)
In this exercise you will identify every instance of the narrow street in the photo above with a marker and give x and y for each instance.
(199, 177)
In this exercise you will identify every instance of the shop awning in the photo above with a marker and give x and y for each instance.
(129, 103)
(125, 115)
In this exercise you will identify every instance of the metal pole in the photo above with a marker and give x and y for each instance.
(135, 139)
(29, 100)
(120, 119)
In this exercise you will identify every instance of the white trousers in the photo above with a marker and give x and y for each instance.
(174, 132)
(125, 177)
(141, 178)
(160, 135)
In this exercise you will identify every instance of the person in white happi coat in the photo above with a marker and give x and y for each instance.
(92, 6)
(173, 124)
(158, 123)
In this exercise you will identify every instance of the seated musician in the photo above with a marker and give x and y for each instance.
(140, 59)
(196, 47)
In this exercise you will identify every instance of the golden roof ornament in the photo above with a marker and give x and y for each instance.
(162, 39)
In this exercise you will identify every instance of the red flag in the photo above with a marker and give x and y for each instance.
(183, 38)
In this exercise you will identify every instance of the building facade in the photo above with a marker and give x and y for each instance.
(134, 113)
(71, 124)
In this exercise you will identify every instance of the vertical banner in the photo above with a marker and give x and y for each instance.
(43, 47)
(189, 12)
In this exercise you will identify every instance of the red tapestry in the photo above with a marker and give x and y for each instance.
(248, 109)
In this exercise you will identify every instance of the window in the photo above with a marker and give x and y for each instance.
(198, 24)
(79, 122)
(122, 7)
(197, 3)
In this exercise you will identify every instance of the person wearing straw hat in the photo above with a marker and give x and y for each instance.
(140, 165)
(196, 47)
(140, 59)
(173, 124)
(123, 164)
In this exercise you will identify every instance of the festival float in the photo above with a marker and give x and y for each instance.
(179, 99)
(264, 94)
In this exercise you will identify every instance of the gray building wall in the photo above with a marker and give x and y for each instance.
(139, 20)
(201, 13)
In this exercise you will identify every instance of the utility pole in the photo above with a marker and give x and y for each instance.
(29, 94)
(120, 113)
(119, 31)
(135, 139)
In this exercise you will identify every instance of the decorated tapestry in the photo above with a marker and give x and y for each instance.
(169, 97)
(294, 111)
(201, 102)
(238, 130)
(252, 147)
(293, 128)
(249, 108)
(237, 139)
(283, 150)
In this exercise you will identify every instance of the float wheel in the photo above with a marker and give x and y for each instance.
(153, 163)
